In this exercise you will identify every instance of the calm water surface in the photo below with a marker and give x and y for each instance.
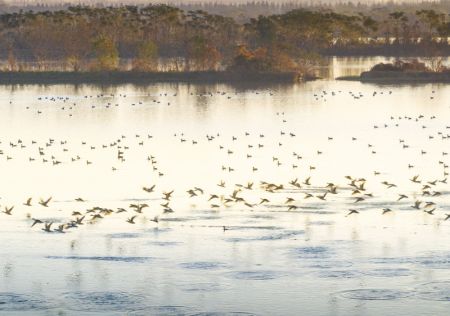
(285, 249)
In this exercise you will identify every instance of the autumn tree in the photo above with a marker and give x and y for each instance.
(39, 34)
(261, 60)
(75, 41)
(201, 54)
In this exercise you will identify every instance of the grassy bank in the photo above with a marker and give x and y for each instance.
(142, 78)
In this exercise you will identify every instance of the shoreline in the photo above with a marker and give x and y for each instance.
(390, 77)
(143, 78)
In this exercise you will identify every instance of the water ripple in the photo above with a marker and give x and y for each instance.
(107, 258)
(255, 275)
(373, 294)
(10, 302)
(104, 301)
(434, 291)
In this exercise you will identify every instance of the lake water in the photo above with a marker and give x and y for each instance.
(273, 248)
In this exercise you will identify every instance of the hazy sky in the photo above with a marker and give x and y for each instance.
(195, 1)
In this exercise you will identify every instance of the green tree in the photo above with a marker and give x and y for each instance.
(106, 53)
(147, 57)
(432, 19)
(399, 19)
(444, 29)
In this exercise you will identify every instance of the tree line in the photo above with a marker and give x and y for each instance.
(167, 38)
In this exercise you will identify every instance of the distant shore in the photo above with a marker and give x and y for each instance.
(391, 77)
(142, 78)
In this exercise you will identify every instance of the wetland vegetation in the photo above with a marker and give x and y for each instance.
(163, 38)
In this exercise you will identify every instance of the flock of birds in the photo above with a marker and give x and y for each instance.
(290, 196)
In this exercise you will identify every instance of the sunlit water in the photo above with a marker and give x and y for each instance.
(304, 257)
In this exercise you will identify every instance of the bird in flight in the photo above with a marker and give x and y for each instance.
(45, 203)
(131, 219)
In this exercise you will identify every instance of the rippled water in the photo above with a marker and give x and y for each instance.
(304, 256)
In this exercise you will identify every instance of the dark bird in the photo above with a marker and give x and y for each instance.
(351, 211)
(36, 221)
(150, 189)
(8, 210)
(417, 205)
(131, 219)
(47, 227)
(430, 212)
(386, 210)
(45, 203)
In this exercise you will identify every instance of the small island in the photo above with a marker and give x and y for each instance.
(404, 72)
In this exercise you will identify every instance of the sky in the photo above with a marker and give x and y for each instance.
(18, 2)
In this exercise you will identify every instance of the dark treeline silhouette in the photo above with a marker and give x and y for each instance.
(167, 38)
(244, 10)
